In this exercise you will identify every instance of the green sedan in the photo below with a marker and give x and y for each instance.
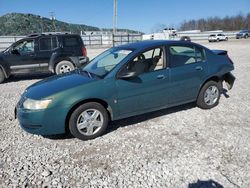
(125, 81)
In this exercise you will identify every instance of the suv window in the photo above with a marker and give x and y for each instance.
(48, 43)
(25, 46)
(70, 41)
(148, 61)
(183, 55)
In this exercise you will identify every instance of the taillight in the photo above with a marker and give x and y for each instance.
(84, 52)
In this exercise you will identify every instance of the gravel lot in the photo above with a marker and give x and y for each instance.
(178, 147)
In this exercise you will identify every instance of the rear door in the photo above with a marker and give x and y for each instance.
(47, 46)
(187, 72)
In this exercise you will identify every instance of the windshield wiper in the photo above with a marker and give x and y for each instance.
(89, 74)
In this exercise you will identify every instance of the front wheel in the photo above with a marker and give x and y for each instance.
(88, 121)
(63, 67)
(209, 95)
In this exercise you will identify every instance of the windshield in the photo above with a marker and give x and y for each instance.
(106, 62)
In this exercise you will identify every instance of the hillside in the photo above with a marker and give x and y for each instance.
(24, 24)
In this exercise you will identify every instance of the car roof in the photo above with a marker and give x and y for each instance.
(153, 43)
(38, 35)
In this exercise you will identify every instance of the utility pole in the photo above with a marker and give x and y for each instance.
(53, 18)
(115, 17)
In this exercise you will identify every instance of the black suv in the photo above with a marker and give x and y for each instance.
(57, 53)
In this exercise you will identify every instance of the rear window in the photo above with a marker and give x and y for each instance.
(48, 43)
(212, 35)
(71, 41)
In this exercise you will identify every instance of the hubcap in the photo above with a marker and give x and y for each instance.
(64, 69)
(89, 122)
(211, 95)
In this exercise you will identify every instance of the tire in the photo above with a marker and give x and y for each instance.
(206, 100)
(84, 126)
(218, 40)
(64, 66)
(226, 39)
(2, 76)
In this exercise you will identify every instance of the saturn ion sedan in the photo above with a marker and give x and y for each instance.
(125, 81)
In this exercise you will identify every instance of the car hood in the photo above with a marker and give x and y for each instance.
(56, 84)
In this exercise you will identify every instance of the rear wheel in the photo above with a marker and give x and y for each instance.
(209, 95)
(88, 121)
(2, 77)
(63, 67)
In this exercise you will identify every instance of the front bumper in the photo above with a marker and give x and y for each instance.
(42, 122)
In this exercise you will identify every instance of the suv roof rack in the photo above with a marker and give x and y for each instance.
(47, 33)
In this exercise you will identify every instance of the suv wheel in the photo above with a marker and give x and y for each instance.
(88, 121)
(209, 95)
(63, 67)
(2, 77)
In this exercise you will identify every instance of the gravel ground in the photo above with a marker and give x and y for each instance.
(178, 147)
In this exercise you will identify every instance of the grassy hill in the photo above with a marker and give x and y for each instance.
(24, 24)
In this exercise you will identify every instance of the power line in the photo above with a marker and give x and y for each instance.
(53, 18)
(115, 17)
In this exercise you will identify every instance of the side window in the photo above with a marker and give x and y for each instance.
(184, 55)
(26, 46)
(70, 41)
(148, 61)
(200, 54)
(48, 43)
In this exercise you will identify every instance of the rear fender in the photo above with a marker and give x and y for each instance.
(229, 79)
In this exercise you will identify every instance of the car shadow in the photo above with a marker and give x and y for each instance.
(205, 184)
(147, 116)
(28, 77)
(224, 92)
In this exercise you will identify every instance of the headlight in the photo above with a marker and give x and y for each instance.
(36, 104)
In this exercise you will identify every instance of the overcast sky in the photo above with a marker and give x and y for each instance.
(141, 15)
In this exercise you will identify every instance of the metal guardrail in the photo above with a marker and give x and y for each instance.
(114, 40)
(89, 40)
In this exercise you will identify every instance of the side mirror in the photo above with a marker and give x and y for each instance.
(15, 51)
(127, 75)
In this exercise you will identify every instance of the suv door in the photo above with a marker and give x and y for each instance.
(187, 72)
(22, 56)
(47, 45)
(149, 89)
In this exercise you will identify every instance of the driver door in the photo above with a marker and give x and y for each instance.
(22, 57)
(148, 90)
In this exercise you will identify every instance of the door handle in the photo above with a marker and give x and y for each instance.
(198, 68)
(161, 77)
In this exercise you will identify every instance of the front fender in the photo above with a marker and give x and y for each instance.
(5, 69)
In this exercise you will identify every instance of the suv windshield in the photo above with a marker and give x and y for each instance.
(106, 62)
